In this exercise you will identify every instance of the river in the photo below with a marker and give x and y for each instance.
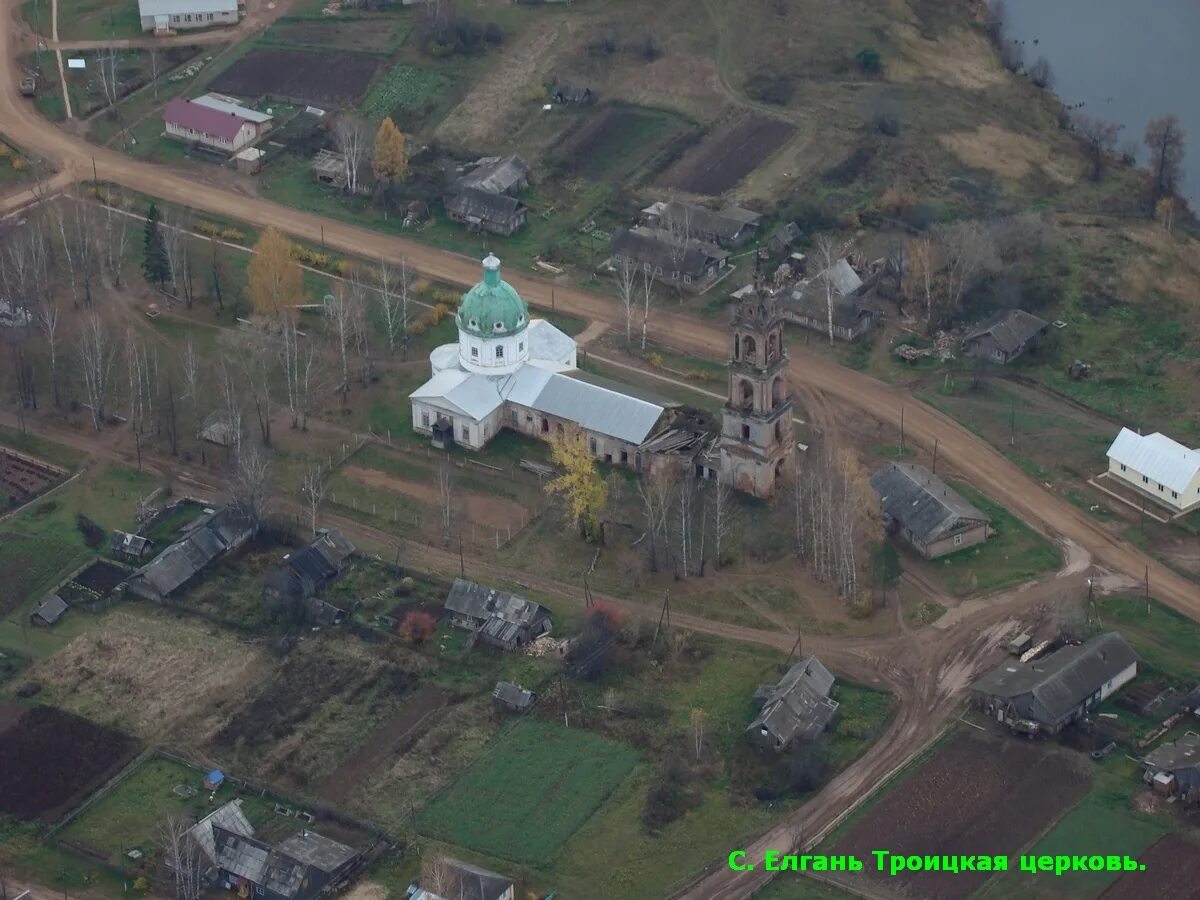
(1127, 61)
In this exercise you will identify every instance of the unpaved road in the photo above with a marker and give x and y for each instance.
(928, 671)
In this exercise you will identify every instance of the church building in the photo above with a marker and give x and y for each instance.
(510, 371)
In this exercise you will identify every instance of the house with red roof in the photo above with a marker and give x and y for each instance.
(224, 127)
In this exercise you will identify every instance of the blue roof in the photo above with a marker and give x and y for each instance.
(216, 775)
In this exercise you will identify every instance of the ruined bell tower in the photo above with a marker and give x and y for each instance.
(756, 426)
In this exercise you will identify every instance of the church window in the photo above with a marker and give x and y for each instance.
(466, 433)
(687, 279)
(592, 444)
(424, 418)
(474, 323)
(779, 429)
(737, 348)
(747, 390)
(772, 346)
(624, 457)
(513, 417)
(745, 432)
(474, 353)
(499, 326)
(545, 426)
(637, 461)
(521, 347)
(500, 352)
(749, 347)
(777, 392)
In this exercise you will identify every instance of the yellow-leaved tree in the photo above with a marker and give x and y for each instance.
(273, 278)
(581, 488)
(389, 161)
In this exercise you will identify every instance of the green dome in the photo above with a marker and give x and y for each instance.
(493, 307)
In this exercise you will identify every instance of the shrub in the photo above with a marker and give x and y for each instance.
(418, 627)
(209, 229)
(672, 795)
(769, 86)
(5, 151)
(93, 534)
(868, 59)
(18, 164)
(232, 234)
(417, 328)
(655, 360)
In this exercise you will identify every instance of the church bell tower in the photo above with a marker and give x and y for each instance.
(757, 445)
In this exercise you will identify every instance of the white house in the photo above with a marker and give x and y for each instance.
(510, 371)
(1158, 467)
(166, 16)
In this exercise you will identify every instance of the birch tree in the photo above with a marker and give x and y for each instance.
(341, 316)
(829, 251)
(106, 74)
(392, 286)
(231, 402)
(47, 320)
(96, 351)
(627, 290)
(116, 239)
(249, 484)
(684, 493)
(350, 136)
(446, 500)
(312, 490)
(182, 855)
(968, 249)
(176, 245)
(656, 490)
(723, 513)
(647, 298)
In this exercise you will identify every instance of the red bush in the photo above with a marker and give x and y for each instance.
(417, 627)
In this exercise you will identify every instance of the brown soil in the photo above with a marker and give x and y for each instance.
(728, 154)
(392, 738)
(1172, 870)
(491, 512)
(330, 79)
(50, 760)
(972, 793)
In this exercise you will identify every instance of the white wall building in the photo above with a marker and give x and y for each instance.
(1158, 467)
(510, 371)
(165, 16)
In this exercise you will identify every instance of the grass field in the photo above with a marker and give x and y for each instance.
(535, 787)
(1013, 554)
(1164, 639)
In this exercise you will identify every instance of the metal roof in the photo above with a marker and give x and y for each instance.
(842, 276)
(1156, 456)
(476, 882)
(497, 175)
(1049, 688)
(476, 396)
(798, 706)
(695, 220)
(180, 7)
(598, 409)
(549, 344)
(513, 695)
(650, 247)
(51, 609)
(242, 112)
(230, 817)
(485, 206)
(921, 502)
(1173, 755)
(317, 851)
(480, 602)
(203, 119)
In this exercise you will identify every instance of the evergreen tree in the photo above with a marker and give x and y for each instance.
(155, 266)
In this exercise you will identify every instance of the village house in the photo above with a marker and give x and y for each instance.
(730, 227)
(690, 264)
(497, 175)
(263, 122)
(1156, 466)
(464, 881)
(49, 611)
(930, 516)
(1173, 768)
(1004, 336)
(510, 371)
(855, 311)
(797, 708)
(299, 868)
(307, 572)
(481, 210)
(228, 817)
(202, 543)
(163, 17)
(498, 618)
(1043, 696)
(227, 132)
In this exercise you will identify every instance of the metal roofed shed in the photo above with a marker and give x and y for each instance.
(1176, 766)
(513, 697)
(497, 175)
(1047, 694)
(926, 512)
(230, 817)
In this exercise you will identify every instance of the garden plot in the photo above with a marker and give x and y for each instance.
(974, 795)
(331, 80)
(404, 89)
(728, 154)
(50, 760)
(617, 142)
(547, 780)
(362, 35)
(22, 477)
(1172, 870)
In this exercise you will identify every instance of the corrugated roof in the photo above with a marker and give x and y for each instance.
(229, 817)
(180, 7)
(476, 882)
(497, 175)
(549, 344)
(1048, 689)
(317, 851)
(1173, 755)
(242, 112)
(202, 119)
(598, 409)
(476, 396)
(51, 609)
(799, 705)
(1157, 456)
(843, 277)
(921, 502)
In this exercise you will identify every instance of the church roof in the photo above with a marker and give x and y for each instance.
(493, 307)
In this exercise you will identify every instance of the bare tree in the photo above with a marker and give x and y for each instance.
(351, 137)
(1165, 140)
(439, 879)
(155, 70)
(182, 855)
(1041, 74)
(231, 403)
(656, 491)
(341, 314)
(360, 327)
(174, 230)
(106, 74)
(626, 275)
(392, 286)
(116, 237)
(968, 251)
(249, 485)
(289, 357)
(723, 514)
(647, 297)
(47, 320)
(257, 376)
(829, 252)
(684, 493)
(96, 351)
(1100, 136)
(446, 500)
(677, 221)
(312, 489)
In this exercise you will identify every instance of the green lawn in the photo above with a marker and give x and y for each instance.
(528, 794)
(1163, 638)
(1014, 553)
(32, 445)
(94, 20)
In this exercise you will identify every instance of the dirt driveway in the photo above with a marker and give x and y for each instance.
(490, 511)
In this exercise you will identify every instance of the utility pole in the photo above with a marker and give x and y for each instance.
(1147, 590)
(664, 615)
(795, 647)
(1012, 427)
(902, 431)
(935, 450)
(462, 562)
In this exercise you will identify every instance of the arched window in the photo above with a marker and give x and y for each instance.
(777, 392)
(773, 346)
(747, 394)
(736, 348)
(748, 347)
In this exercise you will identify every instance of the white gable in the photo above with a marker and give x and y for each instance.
(1156, 456)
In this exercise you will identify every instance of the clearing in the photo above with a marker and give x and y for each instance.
(548, 780)
(1008, 154)
(491, 511)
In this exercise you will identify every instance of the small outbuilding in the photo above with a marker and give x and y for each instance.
(497, 175)
(483, 210)
(132, 548)
(214, 780)
(925, 512)
(1173, 768)
(1004, 336)
(49, 611)
(498, 618)
(513, 697)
